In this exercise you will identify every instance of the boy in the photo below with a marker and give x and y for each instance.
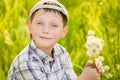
(43, 58)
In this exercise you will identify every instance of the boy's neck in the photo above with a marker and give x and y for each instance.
(48, 51)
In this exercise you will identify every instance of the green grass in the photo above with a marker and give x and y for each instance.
(102, 16)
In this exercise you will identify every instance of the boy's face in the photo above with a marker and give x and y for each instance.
(47, 28)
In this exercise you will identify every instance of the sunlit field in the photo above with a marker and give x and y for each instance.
(102, 16)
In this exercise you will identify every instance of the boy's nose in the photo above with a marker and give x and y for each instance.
(45, 30)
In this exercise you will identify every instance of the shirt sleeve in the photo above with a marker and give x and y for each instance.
(29, 71)
(71, 75)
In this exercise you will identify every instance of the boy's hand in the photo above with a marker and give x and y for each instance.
(98, 65)
(89, 73)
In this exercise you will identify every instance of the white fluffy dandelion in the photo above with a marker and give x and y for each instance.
(94, 45)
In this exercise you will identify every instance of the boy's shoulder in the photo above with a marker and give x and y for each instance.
(22, 56)
(60, 48)
(61, 51)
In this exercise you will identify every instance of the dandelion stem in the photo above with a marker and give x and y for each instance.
(94, 61)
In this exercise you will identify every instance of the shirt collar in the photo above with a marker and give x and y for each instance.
(44, 57)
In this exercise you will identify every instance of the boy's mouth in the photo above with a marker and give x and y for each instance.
(45, 38)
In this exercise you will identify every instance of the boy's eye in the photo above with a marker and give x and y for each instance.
(54, 26)
(39, 23)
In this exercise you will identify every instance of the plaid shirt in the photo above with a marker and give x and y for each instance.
(33, 64)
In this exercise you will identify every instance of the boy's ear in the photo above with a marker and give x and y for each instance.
(29, 26)
(65, 31)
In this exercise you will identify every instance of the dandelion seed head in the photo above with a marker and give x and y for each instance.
(106, 67)
(101, 58)
(92, 51)
(94, 45)
(109, 75)
(91, 33)
(118, 66)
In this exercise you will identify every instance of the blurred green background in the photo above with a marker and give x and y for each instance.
(102, 16)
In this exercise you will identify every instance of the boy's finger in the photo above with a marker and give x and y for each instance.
(89, 63)
(99, 66)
